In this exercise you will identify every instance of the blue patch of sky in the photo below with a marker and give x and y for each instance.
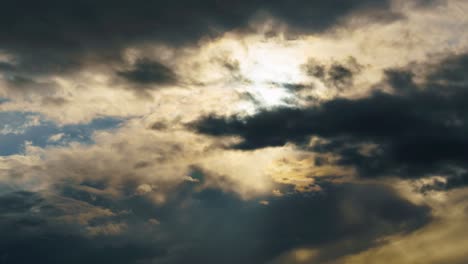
(17, 128)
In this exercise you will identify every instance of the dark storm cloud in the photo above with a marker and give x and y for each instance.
(254, 233)
(55, 36)
(417, 129)
(202, 225)
(18, 202)
(55, 249)
(146, 72)
(31, 235)
(4, 66)
(27, 84)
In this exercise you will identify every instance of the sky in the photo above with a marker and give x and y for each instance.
(256, 132)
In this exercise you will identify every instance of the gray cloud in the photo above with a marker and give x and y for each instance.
(146, 73)
(418, 129)
(57, 36)
(337, 75)
(239, 230)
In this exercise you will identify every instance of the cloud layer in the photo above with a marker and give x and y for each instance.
(233, 132)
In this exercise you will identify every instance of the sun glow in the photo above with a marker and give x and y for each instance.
(268, 66)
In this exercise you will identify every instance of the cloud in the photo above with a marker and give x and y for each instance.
(104, 196)
(18, 202)
(418, 128)
(37, 223)
(289, 166)
(240, 230)
(107, 229)
(180, 21)
(146, 72)
(20, 128)
(56, 137)
(337, 75)
(441, 241)
(59, 38)
(58, 248)
(258, 232)
(89, 90)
